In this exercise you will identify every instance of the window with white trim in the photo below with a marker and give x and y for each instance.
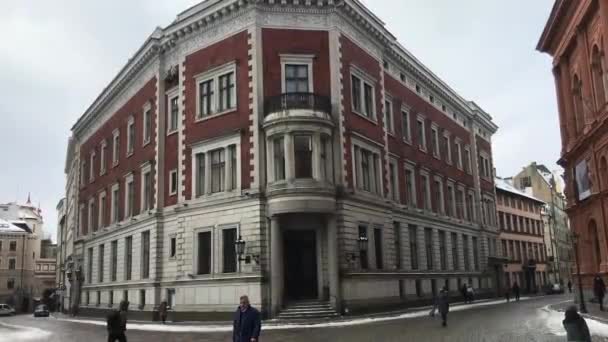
(405, 125)
(458, 144)
(297, 73)
(303, 151)
(389, 123)
(435, 140)
(115, 147)
(91, 215)
(447, 142)
(173, 183)
(471, 206)
(410, 185)
(115, 209)
(438, 194)
(92, 166)
(147, 187)
(83, 173)
(102, 157)
(278, 145)
(484, 165)
(393, 173)
(421, 133)
(426, 191)
(129, 196)
(216, 91)
(451, 200)
(467, 159)
(216, 166)
(130, 135)
(367, 168)
(461, 203)
(102, 209)
(362, 95)
(173, 112)
(147, 121)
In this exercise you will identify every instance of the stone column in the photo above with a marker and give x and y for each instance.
(436, 249)
(422, 262)
(448, 250)
(276, 266)
(460, 243)
(290, 173)
(333, 263)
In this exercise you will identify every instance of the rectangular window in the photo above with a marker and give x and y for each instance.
(326, 159)
(421, 134)
(90, 265)
(148, 194)
(442, 251)
(12, 263)
(470, 207)
(356, 93)
(397, 234)
(102, 157)
(363, 253)
(116, 147)
(216, 92)
(92, 166)
(147, 125)
(435, 141)
(115, 202)
(405, 123)
(368, 100)
(130, 197)
(206, 94)
(218, 170)
(91, 215)
(413, 232)
(173, 183)
(460, 204)
(102, 210)
(296, 78)
(454, 240)
(428, 244)
(145, 255)
(173, 114)
(438, 197)
(363, 97)
(204, 253)
(200, 174)
(172, 247)
(394, 181)
(426, 192)
(389, 124)
(467, 257)
(131, 135)
(447, 142)
(227, 92)
(128, 257)
(233, 167)
(114, 256)
(228, 250)
(410, 187)
(98, 295)
(100, 263)
(303, 156)
(279, 158)
(111, 299)
(378, 248)
(142, 299)
(10, 284)
(467, 160)
(418, 284)
(458, 154)
(475, 254)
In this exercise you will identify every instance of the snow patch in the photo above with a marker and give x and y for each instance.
(554, 323)
(21, 333)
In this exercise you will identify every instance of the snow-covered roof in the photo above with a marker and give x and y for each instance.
(7, 227)
(508, 187)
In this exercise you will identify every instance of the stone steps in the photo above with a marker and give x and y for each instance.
(308, 310)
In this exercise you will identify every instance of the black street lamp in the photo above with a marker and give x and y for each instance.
(362, 242)
(582, 308)
(239, 246)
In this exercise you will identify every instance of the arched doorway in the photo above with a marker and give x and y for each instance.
(594, 250)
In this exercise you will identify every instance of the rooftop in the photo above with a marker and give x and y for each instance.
(505, 185)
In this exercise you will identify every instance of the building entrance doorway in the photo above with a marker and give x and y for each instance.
(300, 265)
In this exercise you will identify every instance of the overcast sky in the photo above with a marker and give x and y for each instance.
(57, 56)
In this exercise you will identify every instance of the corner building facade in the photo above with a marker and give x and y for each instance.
(301, 132)
(575, 36)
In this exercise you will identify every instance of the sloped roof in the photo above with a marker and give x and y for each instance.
(7, 227)
(508, 187)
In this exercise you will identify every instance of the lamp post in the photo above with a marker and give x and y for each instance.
(582, 307)
(239, 246)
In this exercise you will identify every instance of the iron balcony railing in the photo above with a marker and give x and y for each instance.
(291, 101)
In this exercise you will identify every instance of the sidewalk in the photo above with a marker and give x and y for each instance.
(206, 327)
(593, 310)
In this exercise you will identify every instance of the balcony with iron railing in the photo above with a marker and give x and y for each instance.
(297, 106)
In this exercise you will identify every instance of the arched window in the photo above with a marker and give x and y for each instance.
(604, 172)
(597, 70)
(579, 109)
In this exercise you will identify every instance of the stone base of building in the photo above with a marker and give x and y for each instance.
(173, 316)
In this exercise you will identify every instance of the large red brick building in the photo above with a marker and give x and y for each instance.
(351, 173)
(576, 37)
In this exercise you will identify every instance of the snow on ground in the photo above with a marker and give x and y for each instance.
(554, 323)
(9, 332)
(277, 326)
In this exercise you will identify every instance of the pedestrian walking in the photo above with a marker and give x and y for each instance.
(247, 323)
(599, 288)
(162, 311)
(516, 291)
(470, 293)
(569, 286)
(576, 327)
(117, 323)
(442, 303)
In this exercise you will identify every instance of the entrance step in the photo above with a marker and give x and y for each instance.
(308, 310)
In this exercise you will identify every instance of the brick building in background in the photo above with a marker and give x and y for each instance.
(576, 37)
(302, 133)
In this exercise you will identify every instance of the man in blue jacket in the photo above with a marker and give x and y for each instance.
(247, 323)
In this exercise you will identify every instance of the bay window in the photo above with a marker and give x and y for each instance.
(303, 156)
(279, 158)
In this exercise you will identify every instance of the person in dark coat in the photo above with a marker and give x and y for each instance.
(576, 327)
(599, 288)
(247, 322)
(162, 311)
(508, 294)
(569, 286)
(117, 323)
(516, 291)
(463, 290)
(442, 303)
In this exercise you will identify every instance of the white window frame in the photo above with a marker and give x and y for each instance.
(289, 59)
(102, 199)
(407, 136)
(458, 144)
(376, 177)
(441, 195)
(214, 74)
(212, 268)
(469, 169)
(173, 173)
(172, 94)
(422, 143)
(115, 148)
(114, 210)
(465, 215)
(436, 147)
(146, 169)
(102, 157)
(452, 190)
(130, 139)
(389, 124)
(81, 217)
(364, 78)
(412, 198)
(428, 202)
(448, 159)
(471, 193)
(220, 246)
(394, 182)
(485, 169)
(90, 218)
(92, 166)
(128, 210)
(205, 148)
(147, 112)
